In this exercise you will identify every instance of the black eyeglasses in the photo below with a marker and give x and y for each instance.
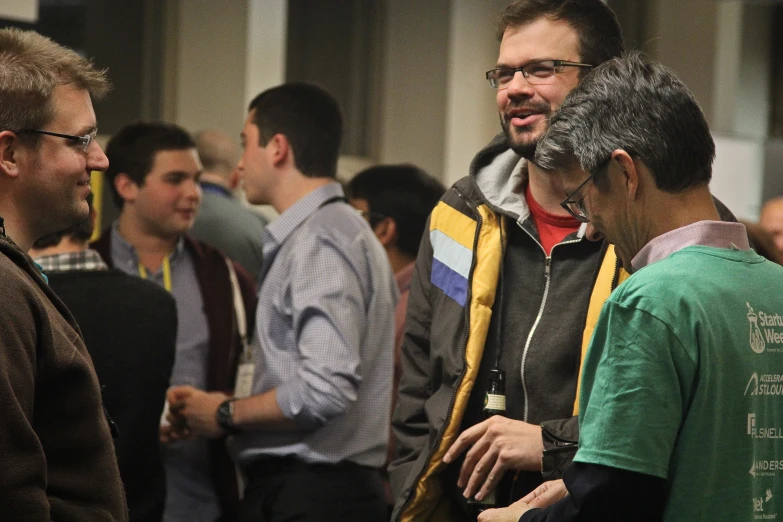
(536, 72)
(83, 141)
(576, 206)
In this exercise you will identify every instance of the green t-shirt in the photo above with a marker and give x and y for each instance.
(683, 380)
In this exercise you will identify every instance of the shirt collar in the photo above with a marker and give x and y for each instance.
(87, 259)
(214, 188)
(128, 253)
(717, 234)
(278, 231)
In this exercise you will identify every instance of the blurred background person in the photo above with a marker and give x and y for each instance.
(762, 241)
(154, 173)
(130, 329)
(222, 220)
(306, 430)
(396, 200)
(771, 220)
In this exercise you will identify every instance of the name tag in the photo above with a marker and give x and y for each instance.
(244, 386)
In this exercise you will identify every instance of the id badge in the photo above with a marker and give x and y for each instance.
(244, 386)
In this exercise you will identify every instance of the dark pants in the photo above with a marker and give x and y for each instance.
(288, 490)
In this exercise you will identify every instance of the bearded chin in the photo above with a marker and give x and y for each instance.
(526, 149)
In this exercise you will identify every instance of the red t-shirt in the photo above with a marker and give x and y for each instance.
(552, 228)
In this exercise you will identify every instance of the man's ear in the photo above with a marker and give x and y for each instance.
(279, 150)
(386, 231)
(126, 187)
(9, 154)
(629, 172)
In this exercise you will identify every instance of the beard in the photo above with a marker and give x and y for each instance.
(522, 140)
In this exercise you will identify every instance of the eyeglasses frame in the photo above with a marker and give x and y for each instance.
(556, 64)
(581, 213)
(84, 141)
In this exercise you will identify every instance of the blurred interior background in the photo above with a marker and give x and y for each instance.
(409, 74)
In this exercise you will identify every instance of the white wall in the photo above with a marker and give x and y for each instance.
(19, 10)
(737, 175)
(414, 89)
(266, 46)
(211, 75)
(471, 112)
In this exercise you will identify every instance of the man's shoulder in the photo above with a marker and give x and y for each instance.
(111, 282)
(15, 279)
(216, 210)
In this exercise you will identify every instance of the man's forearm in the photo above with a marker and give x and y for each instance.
(261, 412)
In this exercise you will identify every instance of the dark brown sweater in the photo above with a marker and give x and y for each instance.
(57, 458)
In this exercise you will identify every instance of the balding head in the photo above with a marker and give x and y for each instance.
(771, 220)
(219, 154)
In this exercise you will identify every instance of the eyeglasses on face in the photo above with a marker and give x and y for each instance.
(83, 141)
(536, 72)
(574, 204)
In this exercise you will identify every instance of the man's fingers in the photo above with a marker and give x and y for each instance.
(480, 471)
(177, 394)
(463, 442)
(548, 493)
(493, 478)
(472, 457)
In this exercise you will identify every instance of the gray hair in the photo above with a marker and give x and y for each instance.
(638, 105)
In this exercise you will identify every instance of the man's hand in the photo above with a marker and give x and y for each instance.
(507, 514)
(498, 444)
(193, 413)
(546, 494)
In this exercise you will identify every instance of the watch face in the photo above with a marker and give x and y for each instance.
(225, 414)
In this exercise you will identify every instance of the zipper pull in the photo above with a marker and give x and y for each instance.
(547, 264)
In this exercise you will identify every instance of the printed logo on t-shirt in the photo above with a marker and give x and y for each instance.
(766, 432)
(758, 506)
(765, 331)
(765, 384)
(765, 468)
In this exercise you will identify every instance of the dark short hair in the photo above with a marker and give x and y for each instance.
(309, 118)
(132, 150)
(600, 36)
(404, 193)
(638, 105)
(81, 231)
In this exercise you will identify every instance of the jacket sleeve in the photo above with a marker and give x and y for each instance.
(561, 440)
(24, 477)
(603, 493)
(410, 424)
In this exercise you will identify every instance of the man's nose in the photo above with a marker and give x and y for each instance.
(593, 234)
(96, 159)
(519, 86)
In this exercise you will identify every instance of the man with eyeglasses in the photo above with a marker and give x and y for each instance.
(507, 284)
(56, 451)
(676, 421)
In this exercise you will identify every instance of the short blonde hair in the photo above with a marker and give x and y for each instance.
(31, 67)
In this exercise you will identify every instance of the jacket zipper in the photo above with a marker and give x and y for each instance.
(547, 276)
(450, 410)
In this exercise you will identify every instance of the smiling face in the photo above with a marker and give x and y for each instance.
(54, 179)
(166, 204)
(524, 108)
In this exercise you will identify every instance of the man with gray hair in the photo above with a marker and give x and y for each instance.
(56, 452)
(675, 423)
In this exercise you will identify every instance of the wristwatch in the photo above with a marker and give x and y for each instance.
(225, 416)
